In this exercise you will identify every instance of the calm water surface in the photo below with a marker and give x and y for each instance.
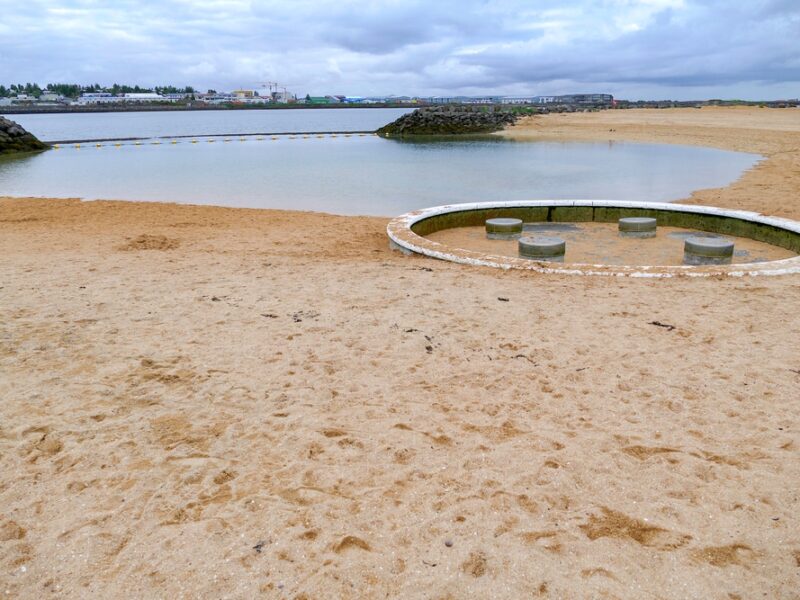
(359, 175)
(82, 126)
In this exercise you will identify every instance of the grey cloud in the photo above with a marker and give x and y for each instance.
(664, 48)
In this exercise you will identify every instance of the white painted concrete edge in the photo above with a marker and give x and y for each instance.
(403, 238)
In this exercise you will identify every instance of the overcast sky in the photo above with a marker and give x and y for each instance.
(681, 49)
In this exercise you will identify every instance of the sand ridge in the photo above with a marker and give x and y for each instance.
(201, 402)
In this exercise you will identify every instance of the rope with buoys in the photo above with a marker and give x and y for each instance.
(244, 138)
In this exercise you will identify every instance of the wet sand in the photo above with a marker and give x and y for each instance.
(208, 402)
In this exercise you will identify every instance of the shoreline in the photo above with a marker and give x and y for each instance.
(221, 402)
(593, 127)
(772, 134)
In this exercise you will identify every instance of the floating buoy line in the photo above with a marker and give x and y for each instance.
(209, 139)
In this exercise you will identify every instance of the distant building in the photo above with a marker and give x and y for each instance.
(253, 100)
(89, 98)
(94, 98)
(177, 97)
(441, 99)
(143, 97)
(588, 99)
(5, 101)
(48, 96)
(578, 99)
(400, 100)
(520, 100)
(283, 97)
(220, 98)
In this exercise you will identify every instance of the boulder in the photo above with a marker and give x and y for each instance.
(14, 138)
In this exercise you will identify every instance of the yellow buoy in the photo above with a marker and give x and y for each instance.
(156, 143)
(77, 145)
(174, 142)
(320, 136)
(274, 137)
(118, 145)
(333, 135)
(56, 147)
(194, 141)
(242, 139)
(210, 141)
(98, 145)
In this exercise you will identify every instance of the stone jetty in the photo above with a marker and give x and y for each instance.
(449, 120)
(14, 138)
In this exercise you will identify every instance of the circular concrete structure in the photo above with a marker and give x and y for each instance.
(707, 251)
(407, 234)
(542, 247)
(503, 229)
(637, 227)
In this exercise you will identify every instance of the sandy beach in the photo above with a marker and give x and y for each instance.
(232, 403)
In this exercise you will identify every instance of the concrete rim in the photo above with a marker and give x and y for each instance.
(403, 238)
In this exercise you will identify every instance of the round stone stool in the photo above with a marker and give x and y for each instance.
(503, 229)
(637, 227)
(543, 248)
(707, 251)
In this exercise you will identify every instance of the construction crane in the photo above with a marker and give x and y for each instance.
(274, 87)
(269, 85)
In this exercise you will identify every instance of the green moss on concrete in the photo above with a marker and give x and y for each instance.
(475, 218)
(571, 214)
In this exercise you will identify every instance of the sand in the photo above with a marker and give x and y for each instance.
(225, 403)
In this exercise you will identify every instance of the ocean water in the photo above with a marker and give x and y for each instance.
(78, 126)
(353, 175)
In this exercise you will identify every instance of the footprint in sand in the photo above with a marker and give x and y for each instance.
(725, 556)
(615, 524)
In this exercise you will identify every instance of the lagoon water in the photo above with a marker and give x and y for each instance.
(354, 175)
(84, 126)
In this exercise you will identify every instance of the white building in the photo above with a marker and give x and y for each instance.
(177, 97)
(48, 96)
(96, 98)
(222, 98)
(144, 97)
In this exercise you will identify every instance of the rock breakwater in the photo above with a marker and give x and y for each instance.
(449, 120)
(14, 138)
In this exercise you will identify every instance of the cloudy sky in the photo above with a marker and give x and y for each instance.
(682, 49)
